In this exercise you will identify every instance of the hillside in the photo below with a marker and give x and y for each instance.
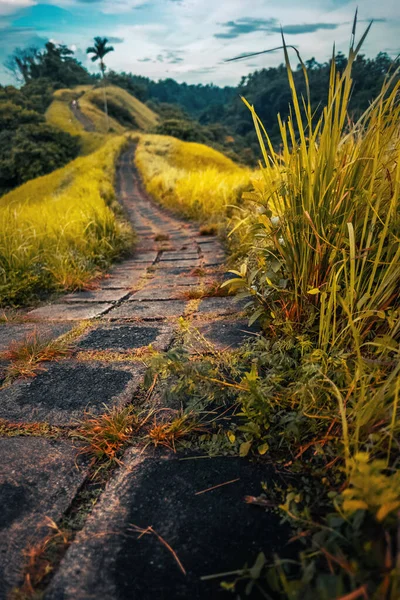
(125, 111)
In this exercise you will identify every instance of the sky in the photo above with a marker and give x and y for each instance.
(189, 40)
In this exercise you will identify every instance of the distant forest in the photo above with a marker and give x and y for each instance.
(203, 113)
(267, 89)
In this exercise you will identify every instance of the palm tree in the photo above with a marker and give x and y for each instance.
(99, 50)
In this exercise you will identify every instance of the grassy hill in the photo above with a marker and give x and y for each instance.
(125, 112)
(59, 230)
(190, 178)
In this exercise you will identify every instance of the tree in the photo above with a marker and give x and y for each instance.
(53, 62)
(99, 50)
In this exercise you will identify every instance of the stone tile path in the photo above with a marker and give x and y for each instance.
(136, 305)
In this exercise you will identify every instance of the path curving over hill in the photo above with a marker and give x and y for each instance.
(136, 305)
(83, 119)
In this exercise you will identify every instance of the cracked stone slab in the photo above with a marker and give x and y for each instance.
(127, 337)
(101, 295)
(38, 478)
(17, 332)
(227, 335)
(212, 532)
(69, 312)
(149, 309)
(67, 390)
(219, 306)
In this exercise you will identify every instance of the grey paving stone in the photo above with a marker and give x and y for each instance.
(145, 257)
(107, 295)
(212, 532)
(167, 271)
(206, 239)
(181, 280)
(69, 312)
(180, 262)
(219, 306)
(17, 332)
(38, 478)
(159, 293)
(152, 310)
(67, 390)
(124, 281)
(127, 337)
(213, 262)
(227, 334)
(178, 256)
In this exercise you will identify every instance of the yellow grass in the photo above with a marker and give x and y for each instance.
(56, 231)
(60, 115)
(144, 116)
(192, 179)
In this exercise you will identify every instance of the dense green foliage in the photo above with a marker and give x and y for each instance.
(192, 98)
(317, 392)
(28, 146)
(266, 89)
(54, 62)
(269, 92)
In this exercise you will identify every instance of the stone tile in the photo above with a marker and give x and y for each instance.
(159, 293)
(227, 335)
(69, 312)
(127, 337)
(212, 532)
(178, 262)
(219, 306)
(17, 332)
(145, 257)
(152, 310)
(38, 478)
(67, 390)
(166, 271)
(206, 239)
(178, 256)
(181, 280)
(123, 281)
(108, 295)
(213, 261)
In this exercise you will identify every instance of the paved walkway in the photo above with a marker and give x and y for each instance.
(138, 304)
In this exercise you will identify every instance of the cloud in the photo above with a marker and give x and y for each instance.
(305, 28)
(244, 26)
(115, 40)
(9, 7)
(250, 25)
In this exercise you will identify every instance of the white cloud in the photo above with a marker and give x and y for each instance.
(9, 7)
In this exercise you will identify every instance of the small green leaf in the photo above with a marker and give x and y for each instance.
(231, 437)
(244, 449)
(313, 292)
(263, 448)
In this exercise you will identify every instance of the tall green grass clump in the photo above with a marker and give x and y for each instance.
(58, 231)
(323, 279)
